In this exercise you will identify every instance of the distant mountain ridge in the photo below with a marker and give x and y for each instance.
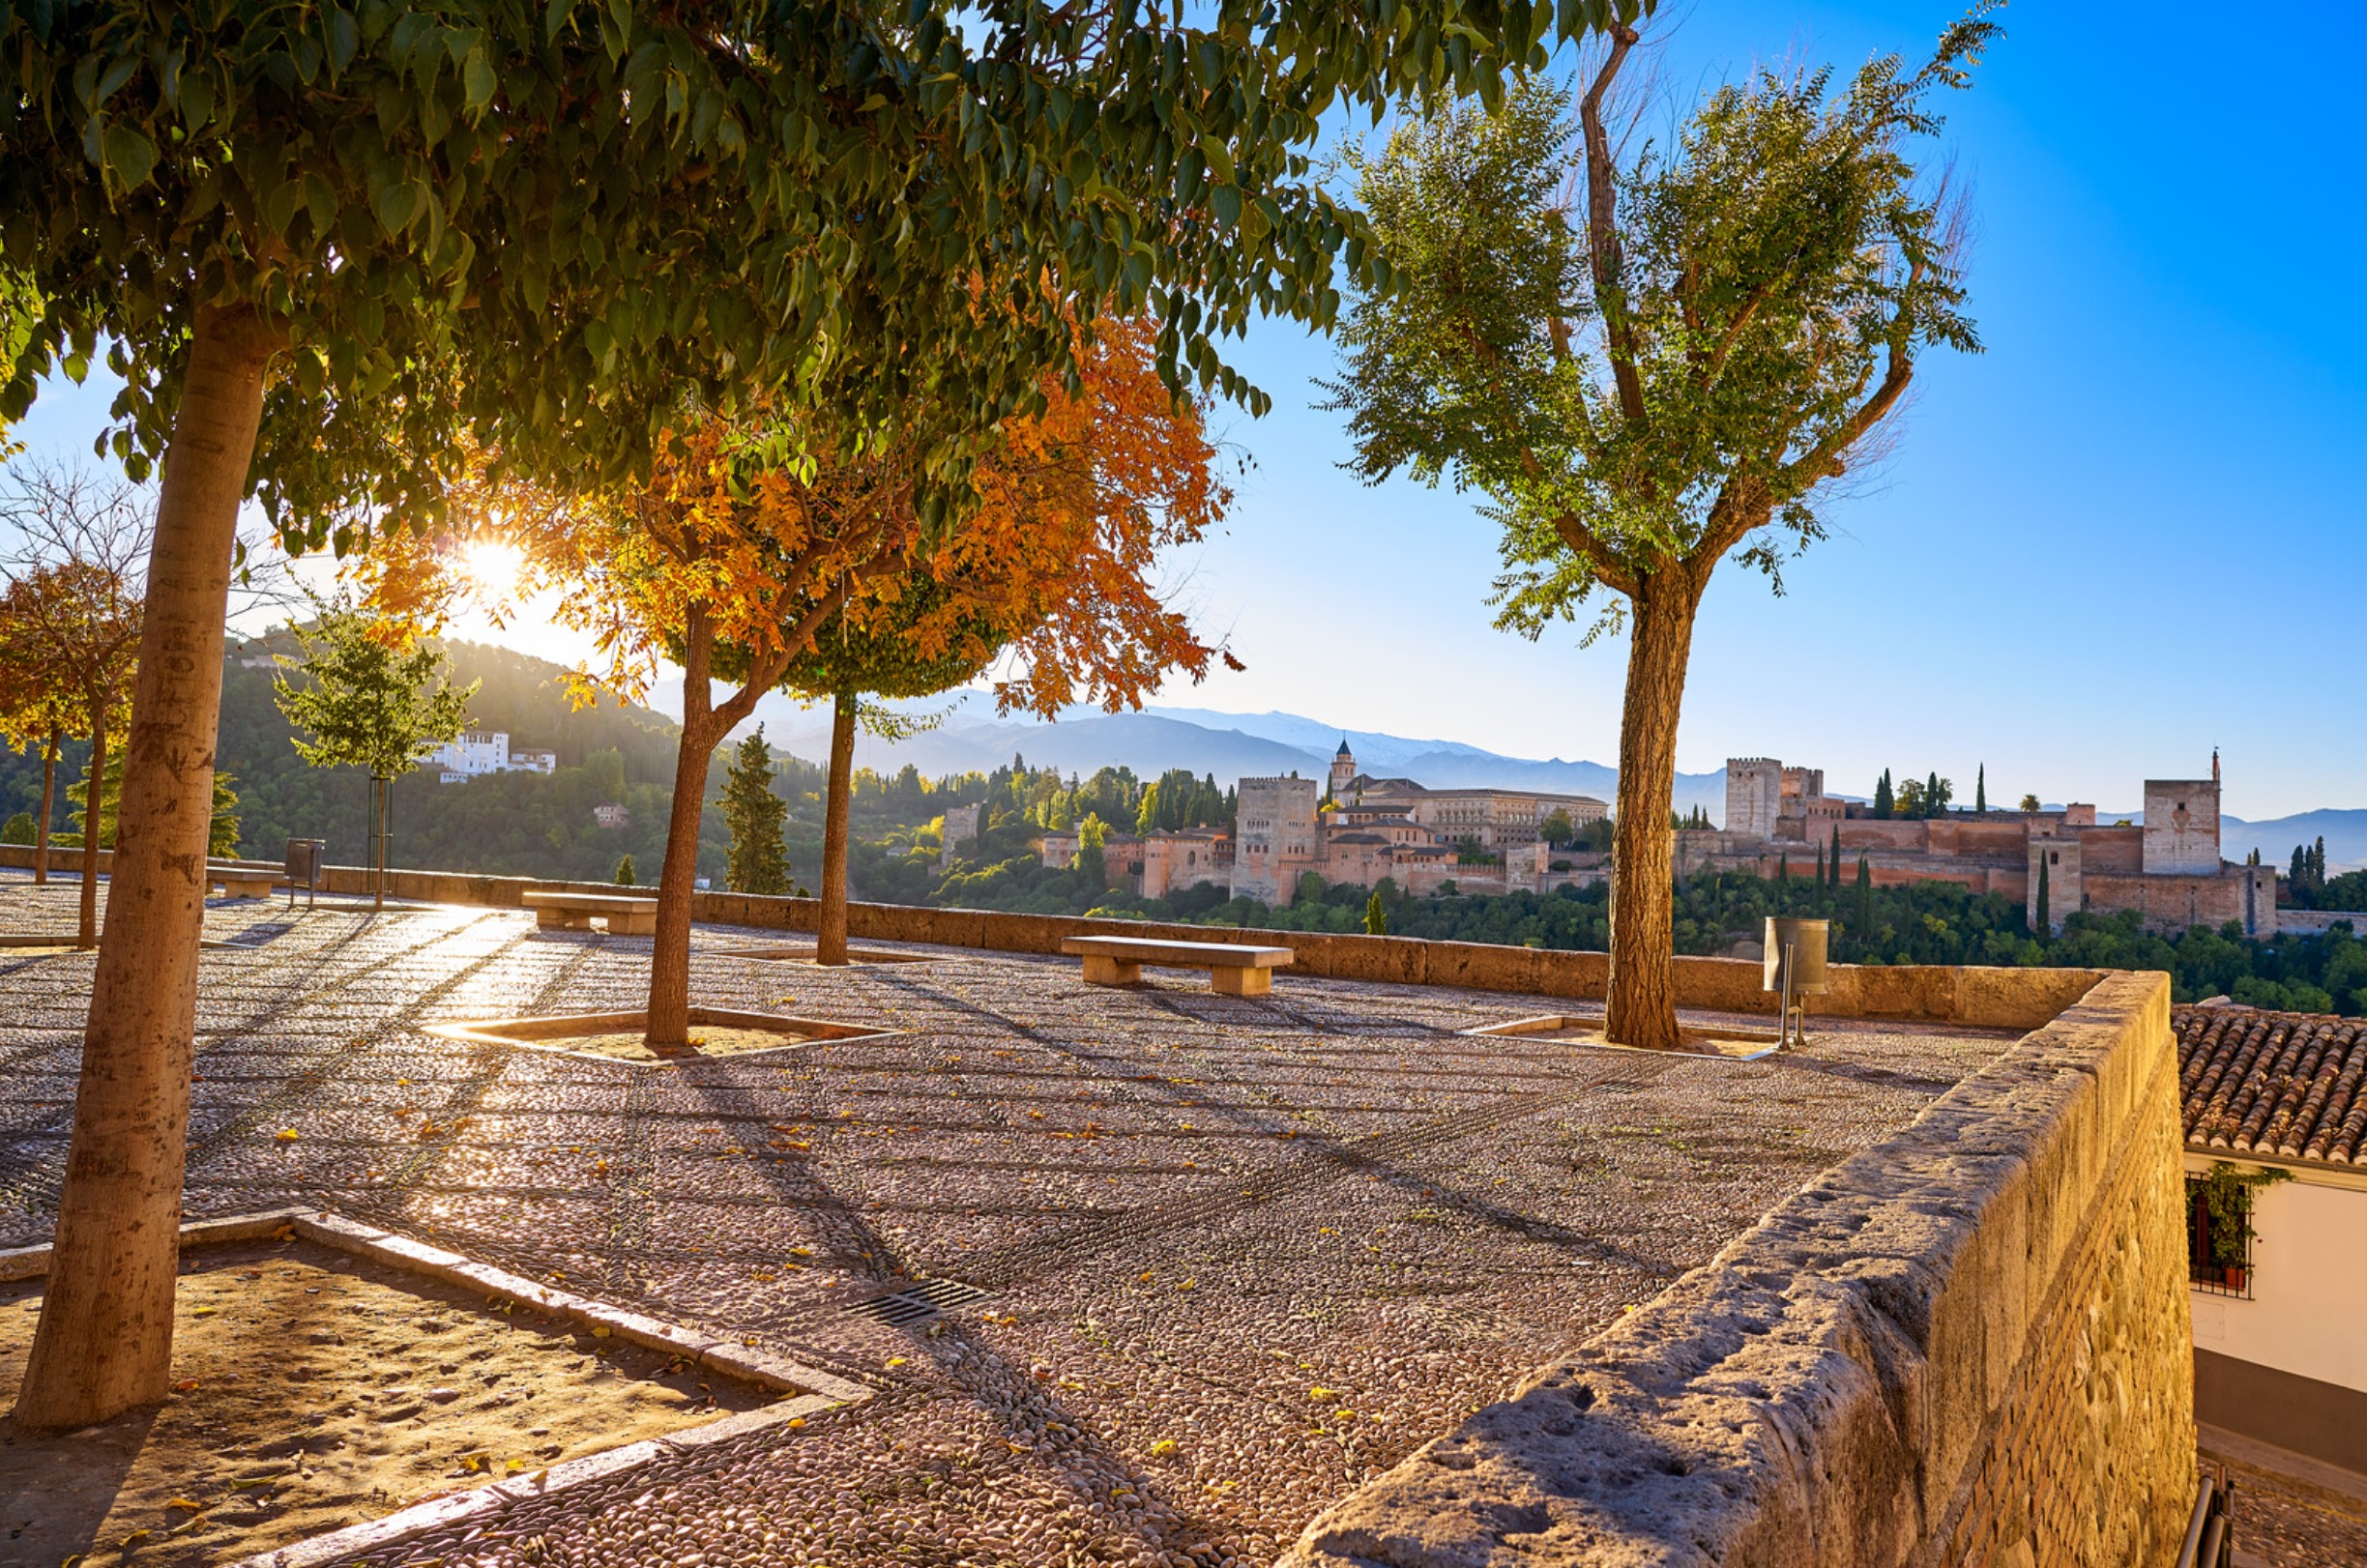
(1229, 745)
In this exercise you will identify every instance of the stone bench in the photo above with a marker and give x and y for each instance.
(626, 916)
(1235, 968)
(242, 882)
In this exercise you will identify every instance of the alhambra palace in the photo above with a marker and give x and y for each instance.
(1779, 821)
(1358, 831)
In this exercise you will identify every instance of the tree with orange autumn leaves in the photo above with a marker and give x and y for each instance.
(735, 566)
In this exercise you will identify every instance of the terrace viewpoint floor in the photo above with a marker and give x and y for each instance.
(1238, 1254)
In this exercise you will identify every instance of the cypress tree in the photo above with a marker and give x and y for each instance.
(1376, 915)
(1834, 860)
(1819, 870)
(1865, 898)
(1783, 870)
(1883, 802)
(625, 873)
(757, 863)
(1932, 805)
(2043, 922)
(1981, 788)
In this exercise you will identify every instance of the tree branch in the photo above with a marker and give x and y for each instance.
(1603, 255)
(1609, 570)
(1824, 460)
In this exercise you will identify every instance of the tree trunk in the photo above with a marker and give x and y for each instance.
(831, 929)
(104, 1343)
(40, 833)
(1643, 996)
(669, 993)
(93, 805)
(378, 860)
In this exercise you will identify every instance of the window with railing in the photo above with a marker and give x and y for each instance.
(2219, 1237)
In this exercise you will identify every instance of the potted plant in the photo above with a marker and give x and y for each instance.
(2226, 1196)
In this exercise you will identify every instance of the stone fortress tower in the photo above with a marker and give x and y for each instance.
(1343, 771)
(1274, 837)
(1754, 796)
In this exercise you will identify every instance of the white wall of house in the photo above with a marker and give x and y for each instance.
(2308, 1315)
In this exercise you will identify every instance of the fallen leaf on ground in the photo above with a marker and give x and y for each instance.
(286, 1135)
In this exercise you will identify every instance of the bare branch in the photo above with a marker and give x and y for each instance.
(1603, 253)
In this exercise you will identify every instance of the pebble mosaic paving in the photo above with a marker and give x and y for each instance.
(1238, 1254)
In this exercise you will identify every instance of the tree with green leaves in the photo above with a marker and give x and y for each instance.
(1981, 788)
(334, 250)
(1669, 368)
(624, 876)
(754, 814)
(1376, 915)
(2029, 802)
(1865, 898)
(372, 697)
(1834, 860)
(1556, 828)
(1091, 867)
(1885, 802)
(2043, 923)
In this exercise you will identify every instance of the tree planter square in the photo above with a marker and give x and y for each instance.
(1726, 1044)
(714, 1033)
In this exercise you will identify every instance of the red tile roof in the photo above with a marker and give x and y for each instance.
(2288, 1086)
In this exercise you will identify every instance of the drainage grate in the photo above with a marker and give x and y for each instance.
(925, 1299)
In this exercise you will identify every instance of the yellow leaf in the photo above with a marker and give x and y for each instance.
(796, 1423)
(1188, 1285)
(897, 1360)
(131, 1540)
(514, 1467)
(200, 1312)
(1165, 1445)
(600, 1333)
(184, 1502)
(1319, 1391)
(286, 1135)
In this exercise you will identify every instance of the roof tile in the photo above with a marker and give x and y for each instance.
(2288, 1085)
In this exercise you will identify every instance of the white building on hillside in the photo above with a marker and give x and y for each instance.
(487, 751)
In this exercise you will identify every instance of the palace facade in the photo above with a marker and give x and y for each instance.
(1353, 832)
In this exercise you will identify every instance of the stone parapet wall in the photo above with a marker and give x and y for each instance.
(1967, 1346)
(1988, 998)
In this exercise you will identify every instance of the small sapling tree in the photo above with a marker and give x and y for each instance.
(370, 696)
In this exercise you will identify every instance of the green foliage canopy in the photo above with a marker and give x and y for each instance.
(366, 703)
(545, 226)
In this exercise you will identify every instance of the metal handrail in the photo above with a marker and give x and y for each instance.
(2210, 1530)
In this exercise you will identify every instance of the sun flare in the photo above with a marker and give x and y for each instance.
(495, 572)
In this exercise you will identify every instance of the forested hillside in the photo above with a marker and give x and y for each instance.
(511, 825)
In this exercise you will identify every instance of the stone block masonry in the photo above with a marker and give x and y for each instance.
(1965, 1347)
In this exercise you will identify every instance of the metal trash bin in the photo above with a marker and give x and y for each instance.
(1793, 968)
(308, 860)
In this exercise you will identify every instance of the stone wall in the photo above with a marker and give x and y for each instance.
(1964, 1346)
(1990, 998)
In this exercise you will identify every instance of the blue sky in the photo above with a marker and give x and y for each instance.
(2124, 535)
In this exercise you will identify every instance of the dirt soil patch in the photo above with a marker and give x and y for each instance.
(314, 1390)
(705, 1040)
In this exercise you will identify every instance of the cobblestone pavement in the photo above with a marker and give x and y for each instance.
(1238, 1254)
